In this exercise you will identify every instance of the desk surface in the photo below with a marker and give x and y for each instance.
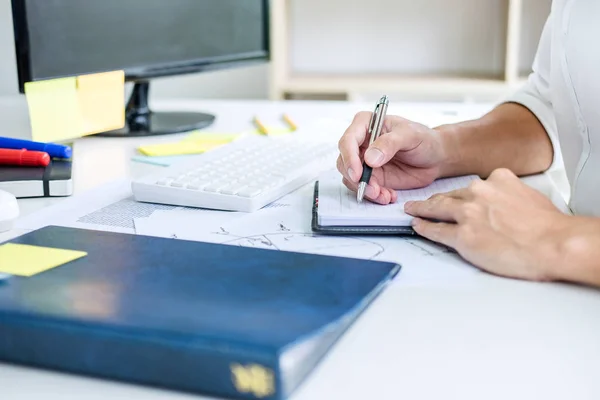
(495, 339)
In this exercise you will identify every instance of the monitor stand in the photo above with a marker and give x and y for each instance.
(141, 121)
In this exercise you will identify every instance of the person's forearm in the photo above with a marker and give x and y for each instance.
(578, 252)
(509, 136)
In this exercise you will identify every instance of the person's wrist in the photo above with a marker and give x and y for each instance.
(572, 247)
(450, 156)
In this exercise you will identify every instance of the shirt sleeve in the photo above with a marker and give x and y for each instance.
(535, 94)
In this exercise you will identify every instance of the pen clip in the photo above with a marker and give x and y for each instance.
(374, 118)
(376, 123)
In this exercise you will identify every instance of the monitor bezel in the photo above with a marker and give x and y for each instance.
(23, 58)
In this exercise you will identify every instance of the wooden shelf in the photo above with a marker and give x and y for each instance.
(483, 79)
(341, 83)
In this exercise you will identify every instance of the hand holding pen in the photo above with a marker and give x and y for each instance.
(375, 127)
(398, 154)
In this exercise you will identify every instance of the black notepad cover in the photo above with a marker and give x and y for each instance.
(37, 180)
(353, 230)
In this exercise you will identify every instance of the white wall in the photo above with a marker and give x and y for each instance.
(426, 37)
(242, 83)
(430, 37)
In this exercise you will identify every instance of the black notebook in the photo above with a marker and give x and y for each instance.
(53, 180)
(336, 210)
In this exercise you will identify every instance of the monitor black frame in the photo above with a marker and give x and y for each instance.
(23, 58)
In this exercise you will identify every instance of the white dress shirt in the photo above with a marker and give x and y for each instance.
(563, 91)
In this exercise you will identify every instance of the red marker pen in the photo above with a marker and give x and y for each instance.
(24, 158)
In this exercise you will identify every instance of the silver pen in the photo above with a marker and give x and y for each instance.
(375, 127)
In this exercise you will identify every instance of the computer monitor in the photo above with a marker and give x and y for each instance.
(146, 39)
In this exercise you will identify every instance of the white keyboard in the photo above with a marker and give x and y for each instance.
(244, 175)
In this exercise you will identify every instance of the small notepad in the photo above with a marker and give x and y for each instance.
(337, 209)
(27, 260)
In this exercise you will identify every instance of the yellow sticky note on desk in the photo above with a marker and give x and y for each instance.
(54, 111)
(274, 131)
(178, 148)
(200, 136)
(28, 260)
(102, 101)
(195, 143)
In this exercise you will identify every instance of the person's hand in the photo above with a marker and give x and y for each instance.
(406, 155)
(500, 225)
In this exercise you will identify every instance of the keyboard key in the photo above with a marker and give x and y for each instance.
(250, 191)
(215, 186)
(232, 189)
(197, 184)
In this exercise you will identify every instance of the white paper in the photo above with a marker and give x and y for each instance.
(284, 225)
(338, 204)
(110, 207)
(288, 228)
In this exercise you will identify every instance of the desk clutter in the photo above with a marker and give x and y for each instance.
(60, 110)
(200, 141)
(35, 169)
(222, 320)
(234, 172)
(218, 274)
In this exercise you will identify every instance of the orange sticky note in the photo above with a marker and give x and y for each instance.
(102, 101)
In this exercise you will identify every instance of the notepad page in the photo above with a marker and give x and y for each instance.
(338, 206)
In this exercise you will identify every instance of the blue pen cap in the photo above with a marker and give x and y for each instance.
(58, 151)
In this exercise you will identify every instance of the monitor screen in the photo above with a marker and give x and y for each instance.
(146, 38)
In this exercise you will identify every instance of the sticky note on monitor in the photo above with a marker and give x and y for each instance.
(68, 108)
(54, 111)
(102, 101)
(28, 260)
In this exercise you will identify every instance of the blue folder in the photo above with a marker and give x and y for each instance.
(213, 319)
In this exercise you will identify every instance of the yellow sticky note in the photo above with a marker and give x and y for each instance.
(28, 260)
(196, 143)
(178, 148)
(102, 101)
(278, 131)
(212, 136)
(54, 111)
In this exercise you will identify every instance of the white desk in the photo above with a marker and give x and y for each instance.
(497, 339)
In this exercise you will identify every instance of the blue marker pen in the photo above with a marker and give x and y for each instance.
(53, 150)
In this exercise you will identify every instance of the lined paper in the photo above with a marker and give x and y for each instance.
(338, 205)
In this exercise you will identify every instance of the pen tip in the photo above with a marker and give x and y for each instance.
(361, 192)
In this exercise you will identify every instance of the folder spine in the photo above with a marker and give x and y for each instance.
(187, 363)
